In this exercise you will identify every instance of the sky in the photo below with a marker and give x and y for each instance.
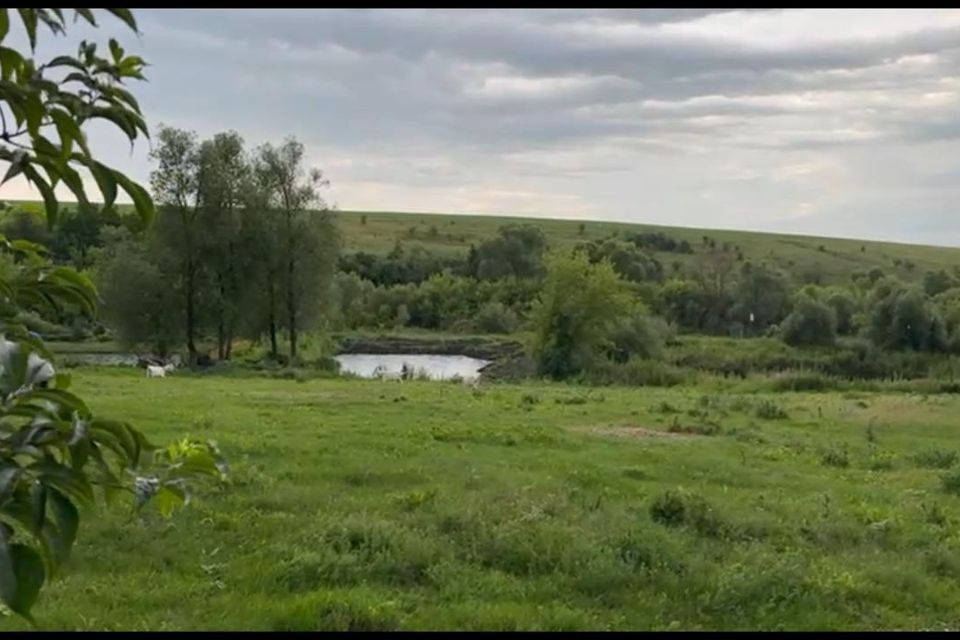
(835, 122)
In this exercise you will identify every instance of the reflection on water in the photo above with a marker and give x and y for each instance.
(437, 367)
(107, 359)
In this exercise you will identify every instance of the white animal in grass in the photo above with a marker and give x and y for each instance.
(155, 371)
(381, 372)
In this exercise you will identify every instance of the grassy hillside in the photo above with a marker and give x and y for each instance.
(804, 257)
(799, 255)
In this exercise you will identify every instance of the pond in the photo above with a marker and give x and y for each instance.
(435, 366)
(105, 359)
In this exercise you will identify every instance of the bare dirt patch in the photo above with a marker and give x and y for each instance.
(633, 432)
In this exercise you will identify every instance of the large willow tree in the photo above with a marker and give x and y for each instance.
(56, 457)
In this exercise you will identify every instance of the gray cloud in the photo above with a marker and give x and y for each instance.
(769, 119)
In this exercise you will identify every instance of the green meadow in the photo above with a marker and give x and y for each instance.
(369, 505)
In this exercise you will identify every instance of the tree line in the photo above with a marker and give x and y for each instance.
(243, 246)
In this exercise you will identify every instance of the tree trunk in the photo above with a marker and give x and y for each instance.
(273, 323)
(291, 310)
(229, 348)
(191, 313)
(221, 328)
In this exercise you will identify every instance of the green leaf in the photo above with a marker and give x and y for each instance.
(127, 97)
(68, 522)
(20, 159)
(59, 397)
(33, 111)
(86, 14)
(116, 50)
(127, 16)
(63, 380)
(69, 131)
(29, 18)
(21, 576)
(70, 482)
(124, 435)
(117, 116)
(141, 199)
(4, 24)
(10, 62)
(9, 475)
(169, 497)
(49, 199)
(67, 61)
(38, 496)
(104, 177)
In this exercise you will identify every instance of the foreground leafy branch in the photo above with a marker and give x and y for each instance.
(56, 458)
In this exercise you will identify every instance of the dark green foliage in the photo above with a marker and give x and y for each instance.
(516, 251)
(835, 457)
(902, 318)
(495, 317)
(763, 294)
(682, 509)
(630, 262)
(770, 410)
(400, 266)
(950, 482)
(810, 323)
(935, 458)
(580, 305)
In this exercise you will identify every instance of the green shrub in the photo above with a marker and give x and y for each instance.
(495, 317)
(706, 428)
(803, 381)
(675, 509)
(935, 458)
(635, 372)
(950, 482)
(810, 323)
(835, 458)
(770, 410)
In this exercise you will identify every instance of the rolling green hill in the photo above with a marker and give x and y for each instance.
(834, 259)
(806, 258)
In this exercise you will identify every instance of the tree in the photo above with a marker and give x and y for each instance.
(935, 282)
(137, 295)
(305, 236)
(574, 316)
(516, 251)
(901, 317)
(811, 323)
(713, 273)
(760, 298)
(629, 261)
(175, 184)
(222, 180)
(55, 455)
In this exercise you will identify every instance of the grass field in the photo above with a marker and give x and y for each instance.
(801, 256)
(373, 505)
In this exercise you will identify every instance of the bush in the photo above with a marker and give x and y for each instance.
(809, 381)
(495, 317)
(770, 410)
(635, 372)
(835, 458)
(640, 336)
(810, 323)
(675, 509)
(707, 428)
(579, 306)
(935, 458)
(951, 482)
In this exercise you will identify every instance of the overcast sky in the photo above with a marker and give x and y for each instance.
(838, 122)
